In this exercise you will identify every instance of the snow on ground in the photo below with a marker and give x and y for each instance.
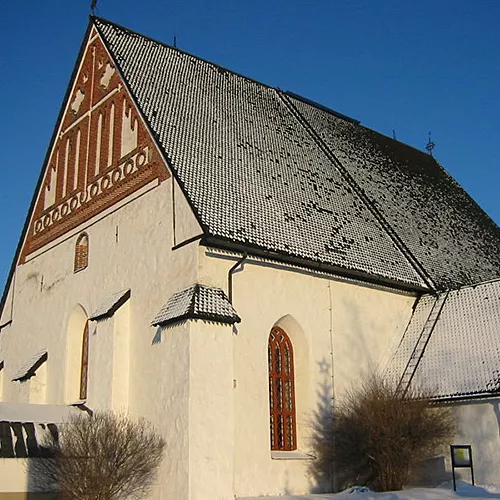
(445, 491)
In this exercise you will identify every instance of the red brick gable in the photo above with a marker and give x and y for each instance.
(103, 152)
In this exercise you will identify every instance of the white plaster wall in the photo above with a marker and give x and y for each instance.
(167, 400)
(100, 364)
(121, 358)
(6, 315)
(130, 247)
(478, 424)
(38, 385)
(185, 224)
(14, 475)
(211, 412)
(357, 321)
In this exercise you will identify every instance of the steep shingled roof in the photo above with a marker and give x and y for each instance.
(271, 171)
(450, 236)
(252, 172)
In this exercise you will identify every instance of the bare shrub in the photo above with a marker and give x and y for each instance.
(105, 457)
(377, 438)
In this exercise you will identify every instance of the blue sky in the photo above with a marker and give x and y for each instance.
(412, 67)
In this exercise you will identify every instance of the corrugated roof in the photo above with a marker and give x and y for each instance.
(462, 357)
(31, 365)
(109, 306)
(197, 302)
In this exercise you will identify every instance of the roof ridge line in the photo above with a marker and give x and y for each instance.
(360, 192)
(176, 49)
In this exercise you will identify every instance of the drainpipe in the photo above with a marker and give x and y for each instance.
(230, 276)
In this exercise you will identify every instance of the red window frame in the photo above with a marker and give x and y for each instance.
(283, 430)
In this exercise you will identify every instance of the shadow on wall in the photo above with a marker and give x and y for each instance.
(41, 467)
(321, 469)
(496, 410)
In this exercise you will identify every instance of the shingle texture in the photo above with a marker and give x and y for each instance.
(461, 358)
(250, 169)
(447, 232)
(197, 302)
(109, 306)
(256, 174)
(31, 365)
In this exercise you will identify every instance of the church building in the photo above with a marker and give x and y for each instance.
(226, 259)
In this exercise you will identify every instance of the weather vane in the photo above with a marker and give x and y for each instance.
(430, 145)
(93, 7)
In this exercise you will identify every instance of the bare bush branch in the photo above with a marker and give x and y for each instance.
(105, 457)
(378, 438)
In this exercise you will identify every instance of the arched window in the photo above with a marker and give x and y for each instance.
(81, 252)
(281, 392)
(84, 368)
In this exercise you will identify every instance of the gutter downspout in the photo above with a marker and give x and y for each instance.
(230, 276)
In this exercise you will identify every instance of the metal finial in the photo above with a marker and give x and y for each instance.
(175, 41)
(430, 145)
(93, 6)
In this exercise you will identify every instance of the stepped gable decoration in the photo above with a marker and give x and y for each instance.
(101, 154)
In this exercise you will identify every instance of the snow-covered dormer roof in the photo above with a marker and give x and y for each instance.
(110, 305)
(197, 302)
(31, 365)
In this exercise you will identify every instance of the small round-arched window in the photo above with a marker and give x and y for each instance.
(81, 252)
(281, 391)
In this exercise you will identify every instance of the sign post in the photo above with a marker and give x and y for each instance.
(461, 457)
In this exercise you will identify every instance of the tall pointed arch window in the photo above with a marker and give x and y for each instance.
(84, 369)
(281, 392)
(81, 252)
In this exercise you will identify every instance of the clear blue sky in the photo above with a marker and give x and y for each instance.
(408, 66)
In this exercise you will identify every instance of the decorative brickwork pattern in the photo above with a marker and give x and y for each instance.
(102, 153)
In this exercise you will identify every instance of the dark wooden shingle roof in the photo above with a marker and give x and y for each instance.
(270, 171)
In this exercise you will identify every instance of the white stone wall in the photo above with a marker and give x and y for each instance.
(478, 424)
(130, 246)
(321, 315)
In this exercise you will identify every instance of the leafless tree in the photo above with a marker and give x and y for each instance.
(104, 457)
(377, 438)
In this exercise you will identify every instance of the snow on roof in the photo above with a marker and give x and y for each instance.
(197, 302)
(31, 365)
(462, 357)
(273, 172)
(39, 413)
(109, 306)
